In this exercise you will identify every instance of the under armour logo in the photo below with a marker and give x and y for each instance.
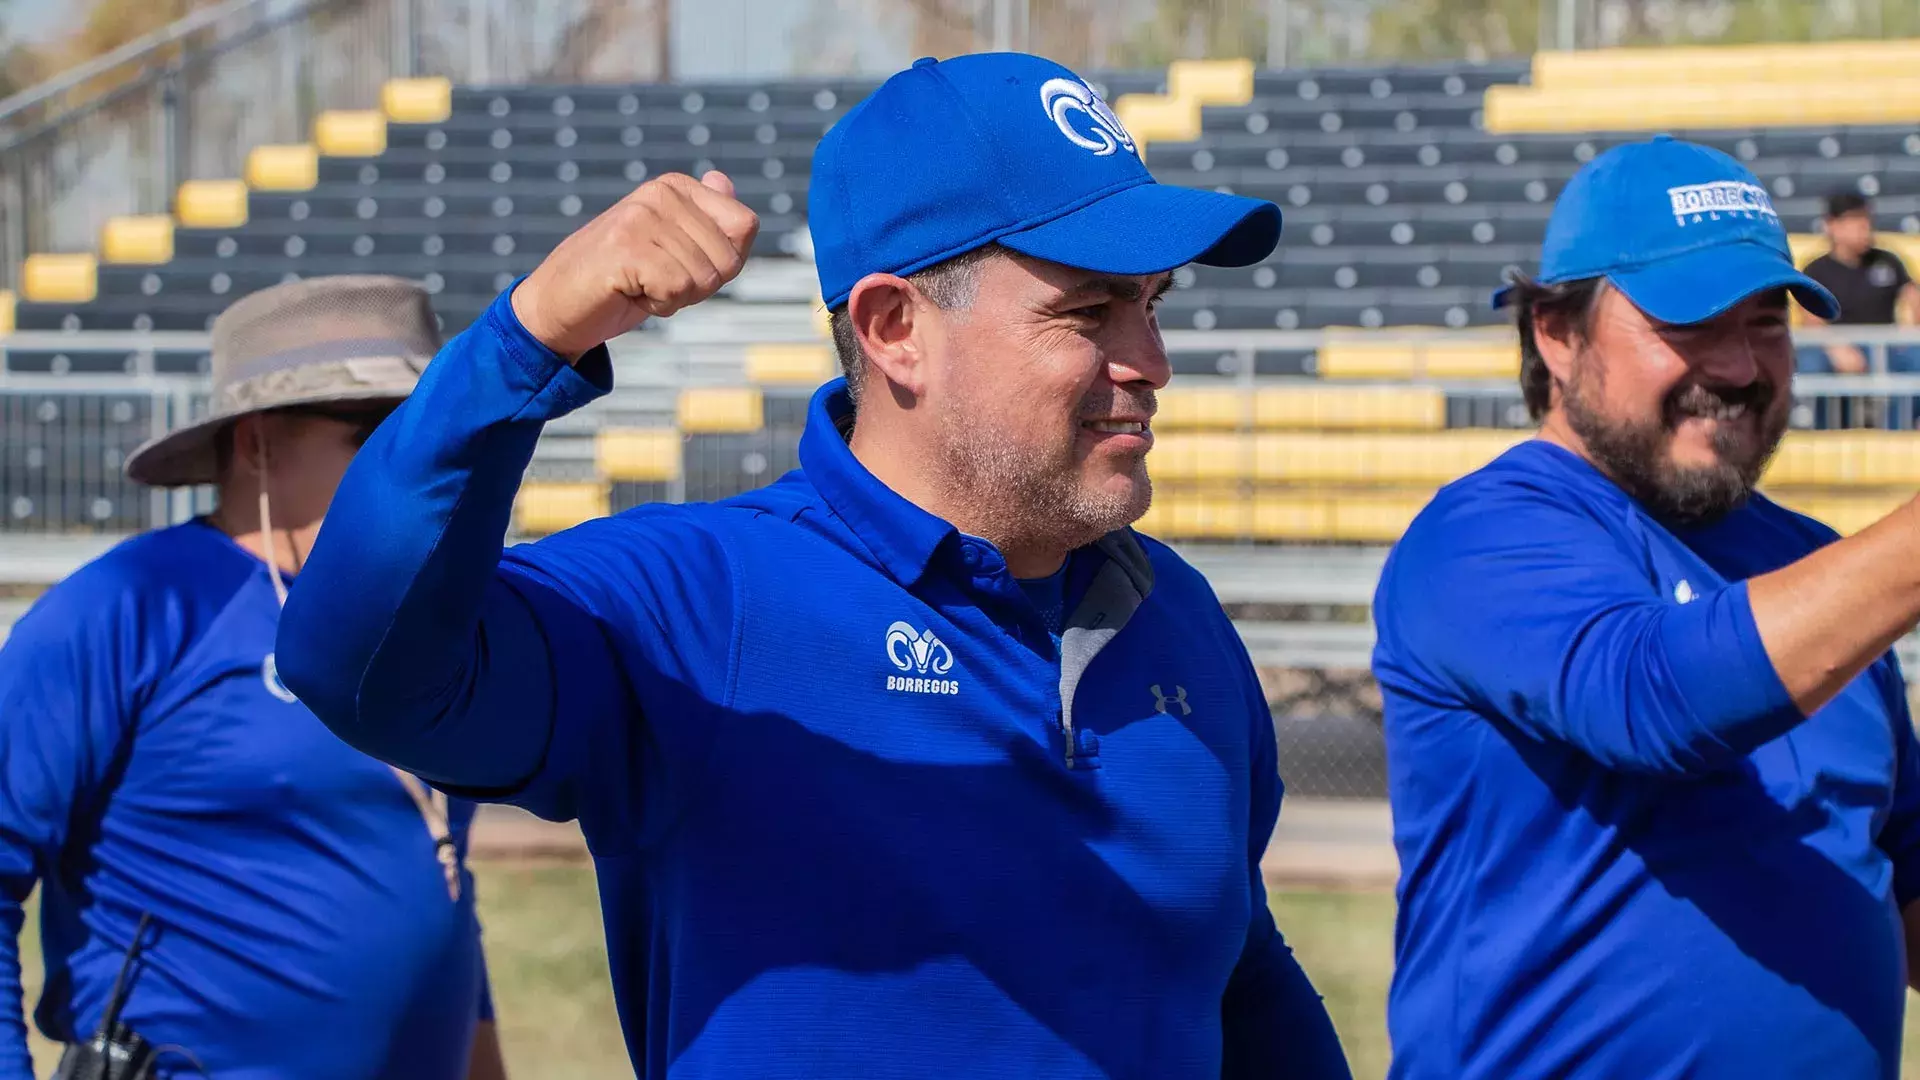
(1161, 701)
(1063, 97)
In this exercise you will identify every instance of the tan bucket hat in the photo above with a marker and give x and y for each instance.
(341, 340)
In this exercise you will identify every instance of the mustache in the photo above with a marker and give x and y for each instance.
(1700, 399)
(1120, 403)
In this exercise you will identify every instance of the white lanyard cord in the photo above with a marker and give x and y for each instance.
(433, 811)
(432, 805)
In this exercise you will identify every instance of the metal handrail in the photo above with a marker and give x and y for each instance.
(298, 9)
(133, 50)
(1176, 340)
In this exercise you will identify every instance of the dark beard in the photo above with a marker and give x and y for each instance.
(1635, 453)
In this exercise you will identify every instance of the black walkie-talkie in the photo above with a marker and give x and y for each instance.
(114, 1052)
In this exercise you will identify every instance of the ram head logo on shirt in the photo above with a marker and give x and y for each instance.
(917, 650)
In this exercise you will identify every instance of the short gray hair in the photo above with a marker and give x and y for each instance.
(951, 285)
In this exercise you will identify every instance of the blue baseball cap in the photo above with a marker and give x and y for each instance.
(952, 155)
(1685, 231)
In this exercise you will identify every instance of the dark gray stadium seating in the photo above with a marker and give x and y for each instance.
(1397, 206)
(60, 461)
(1399, 210)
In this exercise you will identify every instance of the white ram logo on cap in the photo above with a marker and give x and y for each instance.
(1062, 97)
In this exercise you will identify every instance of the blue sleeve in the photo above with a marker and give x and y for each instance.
(1526, 609)
(1900, 833)
(402, 633)
(1274, 1023)
(64, 707)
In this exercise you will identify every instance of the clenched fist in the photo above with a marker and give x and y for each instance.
(670, 244)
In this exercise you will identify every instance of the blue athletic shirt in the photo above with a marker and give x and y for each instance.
(151, 761)
(1624, 852)
(852, 814)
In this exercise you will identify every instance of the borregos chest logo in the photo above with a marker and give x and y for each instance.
(1095, 127)
(919, 654)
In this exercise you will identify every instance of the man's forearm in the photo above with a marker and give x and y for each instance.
(1827, 617)
(486, 1061)
(1275, 1023)
(382, 634)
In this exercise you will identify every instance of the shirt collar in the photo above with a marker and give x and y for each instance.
(902, 537)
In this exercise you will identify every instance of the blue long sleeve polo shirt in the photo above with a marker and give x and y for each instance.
(852, 813)
(1624, 851)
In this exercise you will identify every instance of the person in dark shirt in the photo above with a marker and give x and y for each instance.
(1871, 283)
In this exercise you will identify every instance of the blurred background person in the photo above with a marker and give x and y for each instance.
(311, 913)
(1873, 286)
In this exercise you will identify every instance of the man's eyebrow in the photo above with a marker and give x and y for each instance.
(1117, 288)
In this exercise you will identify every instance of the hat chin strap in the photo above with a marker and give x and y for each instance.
(266, 530)
(431, 803)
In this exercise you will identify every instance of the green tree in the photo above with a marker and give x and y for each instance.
(1196, 29)
(1454, 29)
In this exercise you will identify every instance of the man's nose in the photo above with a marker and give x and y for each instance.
(1140, 356)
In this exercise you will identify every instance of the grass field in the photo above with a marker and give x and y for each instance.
(549, 972)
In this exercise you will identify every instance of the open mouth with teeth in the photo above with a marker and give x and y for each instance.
(1717, 410)
(1116, 427)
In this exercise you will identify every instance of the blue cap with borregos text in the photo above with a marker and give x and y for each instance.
(952, 155)
(1685, 231)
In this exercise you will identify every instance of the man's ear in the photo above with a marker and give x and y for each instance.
(245, 437)
(1557, 335)
(888, 316)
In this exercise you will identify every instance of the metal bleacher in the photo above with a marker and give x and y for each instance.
(1322, 395)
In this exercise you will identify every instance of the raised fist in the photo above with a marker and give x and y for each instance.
(670, 244)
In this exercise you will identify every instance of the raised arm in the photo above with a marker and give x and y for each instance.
(1521, 605)
(404, 632)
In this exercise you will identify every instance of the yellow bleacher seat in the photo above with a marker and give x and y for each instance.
(1828, 459)
(1327, 457)
(60, 279)
(1204, 408)
(355, 133)
(138, 239)
(1375, 519)
(290, 167)
(648, 454)
(1519, 109)
(6, 312)
(417, 101)
(787, 363)
(544, 507)
(1809, 246)
(1273, 408)
(1376, 408)
(1739, 65)
(1284, 514)
(1211, 82)
(1845, 514)
(709, 410)
(211, 204)
(1364, 355)
(1157, 118)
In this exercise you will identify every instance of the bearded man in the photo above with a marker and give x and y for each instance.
(1656, 792)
